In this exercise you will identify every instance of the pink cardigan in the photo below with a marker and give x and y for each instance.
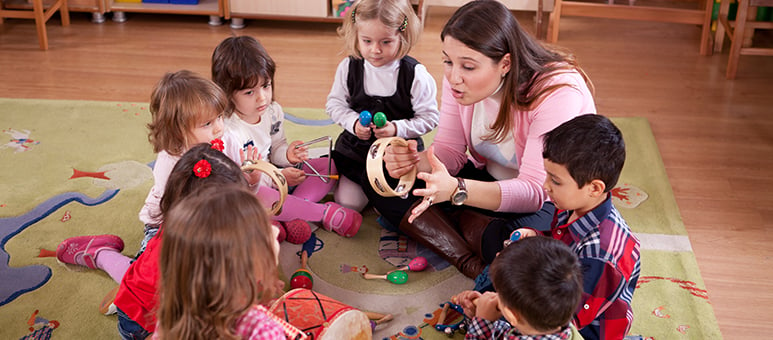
(524, 193)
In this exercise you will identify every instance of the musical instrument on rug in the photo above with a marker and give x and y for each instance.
(321, 317)
(374, 163)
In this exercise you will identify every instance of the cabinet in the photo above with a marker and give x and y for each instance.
(303, 10)
(215, 9)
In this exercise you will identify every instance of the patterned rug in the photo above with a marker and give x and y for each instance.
(77, 168)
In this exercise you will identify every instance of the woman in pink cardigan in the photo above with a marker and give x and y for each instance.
(482, 177)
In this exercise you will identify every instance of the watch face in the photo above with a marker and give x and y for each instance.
(460, 197)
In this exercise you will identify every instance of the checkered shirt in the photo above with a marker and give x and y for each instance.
(609, 255)
(480, 328)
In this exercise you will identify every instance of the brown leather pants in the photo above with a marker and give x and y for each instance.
(460, 246)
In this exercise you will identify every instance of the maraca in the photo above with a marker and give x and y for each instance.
(365, 118)
(514, 236)
(301, 279)
(418, 264)
(397, 277)
(379, 119)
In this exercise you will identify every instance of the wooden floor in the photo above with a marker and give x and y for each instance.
(715, 135)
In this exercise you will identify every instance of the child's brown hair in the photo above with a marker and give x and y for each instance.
(217, 260)
(180, 101)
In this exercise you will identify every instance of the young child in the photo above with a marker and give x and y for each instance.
(254, 128)
(538, 284)
(186, 110)
(218, 264)
(583, 160)
(378, 76)
(136, 298)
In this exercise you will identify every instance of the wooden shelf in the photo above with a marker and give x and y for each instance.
(72, 5)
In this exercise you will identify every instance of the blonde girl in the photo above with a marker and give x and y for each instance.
(378, 76)
(218, 264)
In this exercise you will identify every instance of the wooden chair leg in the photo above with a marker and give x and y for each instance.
(64, 13)
(719, 36)
(738, 38)
(554, 22)
(40, 23)
(706, 42)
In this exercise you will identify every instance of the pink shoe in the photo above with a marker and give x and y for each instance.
(298, 231)
(344, 221)
(82, 250)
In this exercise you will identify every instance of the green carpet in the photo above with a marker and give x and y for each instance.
(56, 157)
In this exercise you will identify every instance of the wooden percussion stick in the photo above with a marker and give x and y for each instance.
(304, 259)
(442, 318)
(378, 317)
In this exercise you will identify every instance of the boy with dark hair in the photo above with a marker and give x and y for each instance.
(583, 160)
(538, 284)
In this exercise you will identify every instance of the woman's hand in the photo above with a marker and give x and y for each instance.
(399, 160)
(440, 185)
(251, 154)
(466, 299)
(294, 176)
(295, 154)
(388, 130)
(488, 307)
(362, 132)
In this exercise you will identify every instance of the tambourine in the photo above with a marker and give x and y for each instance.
(276, 176)
(374, 166)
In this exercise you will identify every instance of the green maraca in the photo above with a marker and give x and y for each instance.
(379, 119)
(397, 277)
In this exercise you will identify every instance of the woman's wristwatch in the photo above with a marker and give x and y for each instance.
(460, 193)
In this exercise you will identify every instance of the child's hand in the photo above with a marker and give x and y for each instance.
(294, 176)
(250, 154)
(362, 132)
(388, 130)
(488, 307)
(526, 232)
(466, 299)
(297, 155)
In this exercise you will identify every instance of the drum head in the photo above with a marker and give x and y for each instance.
(350, 325)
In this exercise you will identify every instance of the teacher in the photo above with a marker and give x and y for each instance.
(482, 177)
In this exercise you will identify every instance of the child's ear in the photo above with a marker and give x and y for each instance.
(596, 188)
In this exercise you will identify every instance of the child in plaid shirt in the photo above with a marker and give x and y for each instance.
(538, 285)
(583, 160)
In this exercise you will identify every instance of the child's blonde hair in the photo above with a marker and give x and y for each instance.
(217, 260)
(180, 101)
(397, 14)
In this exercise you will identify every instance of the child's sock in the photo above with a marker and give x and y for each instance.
(293, 208)
(113, 263)
(314, 188)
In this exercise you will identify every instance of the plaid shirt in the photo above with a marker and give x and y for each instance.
(609, 255)
(480, 328)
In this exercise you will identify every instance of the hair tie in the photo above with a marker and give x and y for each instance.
(217, 144)
(354, 13)
(202, 169)
(404, 25)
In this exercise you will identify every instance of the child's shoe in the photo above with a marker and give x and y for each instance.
(344, 221)
(82, 250)
(298, 231)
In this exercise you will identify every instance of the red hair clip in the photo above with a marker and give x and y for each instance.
(202, 169)
(217, 144)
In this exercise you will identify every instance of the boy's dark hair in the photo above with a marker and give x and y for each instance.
(182, 180)
(239, 63)
(540, 279)
(590, 146)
